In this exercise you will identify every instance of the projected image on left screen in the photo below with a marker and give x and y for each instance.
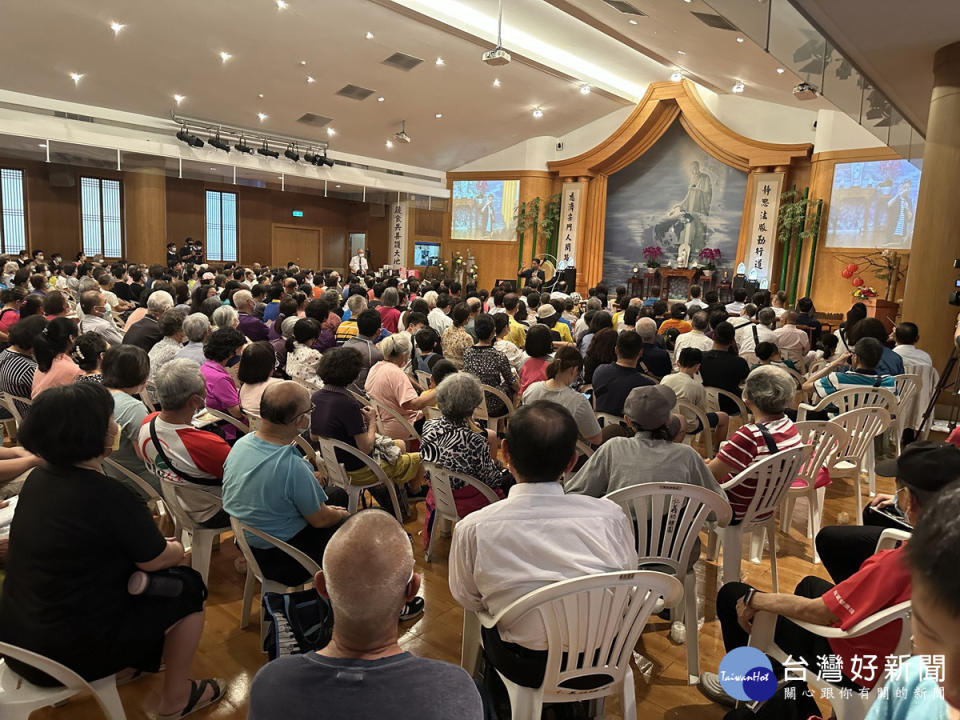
(485, 209)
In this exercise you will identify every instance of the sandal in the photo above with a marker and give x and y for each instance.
(196, 692)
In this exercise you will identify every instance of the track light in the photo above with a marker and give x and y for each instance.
(189, 138)
(220, 144)
(738, 87)
(325, 160)
(242, 146)
(267, 152)
(291, 152)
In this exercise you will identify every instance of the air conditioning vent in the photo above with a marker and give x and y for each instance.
(314, 120)
(715, 21)
(72, 116)
(402, 61)
(624, 7)
(354, 92)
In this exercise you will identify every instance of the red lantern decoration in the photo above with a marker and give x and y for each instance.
(852, 268)
(857, 282)
(847, 273)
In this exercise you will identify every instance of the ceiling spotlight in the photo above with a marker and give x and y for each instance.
(76, 77)
(680, 52)
(267, 152)
(738, 87)
(291, 152)
(389, 145)
(677, 76)
(310, 79)
(327, 161)
(219, 144)
(312, 158)
(262, 116)
(380, 99)
(43, 145)
(260, 95)
(281, 4)
(242, 146)
(189, 138)
(740, 40)
(688, 1)
(179, 98)
(438, 116)
(303, 62)
(439, 61)
(584, 89)
(779, 71)
(331, 132)
(537, 113)
(224, 56)
(369, 35)
(632, 22)
(116, 27)
(496, 82)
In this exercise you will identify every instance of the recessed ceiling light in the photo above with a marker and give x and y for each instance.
(116, 27)
(331, 132)
(281, 5)
(338, 186)
(369, 35)
(739, 39)
(303, 62)
(439, 61)
(262, 116)
(224, 56)
(76, 77)
(43, 145)
(380, 99)
(179, 98)
(584, 89)
(688, 1)
(438, 116)
(213, 169)
(310, 79)
(389, 145)
(496, 82)
(677, 76)
(632, 22)
(260, 95)
(680, 52)
(738, 87)
(537, 113)
(779, 71)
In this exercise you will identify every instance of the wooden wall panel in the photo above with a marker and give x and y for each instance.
(145, 213)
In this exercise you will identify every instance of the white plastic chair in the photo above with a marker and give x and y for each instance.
(155, 500)
(424, 378)
(227, 418)
(908, 397)
(18, 698)
(583, 451)
(338, 475)
(604, 418)
(713, 405)
(255, 574)
(773, 475)
(862, 426)
(10, 403)
(705, 435)
(310, 454)
(825, 440)
(383, 409)
(846, 706)
(591, 624)
(499, 421)
(929, 377)
(667, 519)
(446, 505)
(852, 399)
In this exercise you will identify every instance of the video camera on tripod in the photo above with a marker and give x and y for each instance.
(950, 377)
(955, 295)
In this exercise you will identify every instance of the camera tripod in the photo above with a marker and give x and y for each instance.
(949, 381)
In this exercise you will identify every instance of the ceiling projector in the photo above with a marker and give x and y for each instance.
(496, 57)
(805, 91)
(402, 135)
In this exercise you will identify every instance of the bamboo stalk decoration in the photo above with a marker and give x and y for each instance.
(534, 222)
(801, 231)
(786, 230)
(521, 231)
(814, 240)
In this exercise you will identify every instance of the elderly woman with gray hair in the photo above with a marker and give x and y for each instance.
(454, 443)
(389, 385)
(196, 330)
(767, 392)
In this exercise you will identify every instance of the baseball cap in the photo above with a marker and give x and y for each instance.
(546, 311)
(926, 465)
(650, 407)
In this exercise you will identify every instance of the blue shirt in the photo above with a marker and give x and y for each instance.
(890, 363)
(911, 695)
(271, 310)
(850, 379)
(269, 487)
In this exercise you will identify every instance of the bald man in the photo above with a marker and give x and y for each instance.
(268, 485)
(364, 673)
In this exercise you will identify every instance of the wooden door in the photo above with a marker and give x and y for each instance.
(296, 244)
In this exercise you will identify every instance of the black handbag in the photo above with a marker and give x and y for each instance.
(297, 622)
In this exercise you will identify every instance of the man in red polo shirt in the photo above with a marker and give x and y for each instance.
(923, 469)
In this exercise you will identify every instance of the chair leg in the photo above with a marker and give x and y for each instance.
(816, 512)
(353, 499)
(713, 545)
(772, 533)
(871, 472)
(437, 520)
(732, 552)
(527, 703)
(105, 690)
(628, 698)
(756, 544)
(200, 553)
(859, 489)
(470, 644)
(691, 622)
(786, 514)
(248, 584)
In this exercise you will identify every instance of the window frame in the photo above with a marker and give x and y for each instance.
(206, 225)
(26, 225)
(123, 238)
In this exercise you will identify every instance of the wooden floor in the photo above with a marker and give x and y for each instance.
(229, 652)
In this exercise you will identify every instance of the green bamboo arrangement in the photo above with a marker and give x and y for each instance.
(794, 226)
(529, 218)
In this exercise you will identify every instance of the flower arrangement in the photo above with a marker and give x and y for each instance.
(864, 293)
(652, 255)
(473, 272)
(709, 257)
(457, 262)
(442, 267)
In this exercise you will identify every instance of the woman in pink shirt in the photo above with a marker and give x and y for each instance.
(10, 313)
(223, 346)
(52, 350)
(390, 386)
(539, 345)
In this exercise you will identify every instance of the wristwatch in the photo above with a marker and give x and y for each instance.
(748, 598)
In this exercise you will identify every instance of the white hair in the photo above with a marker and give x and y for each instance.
(225, 317)
(242, 297)
(158, 301)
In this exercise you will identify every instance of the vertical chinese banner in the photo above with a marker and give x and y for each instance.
(763, 226)
(569, 225)
(399, 222)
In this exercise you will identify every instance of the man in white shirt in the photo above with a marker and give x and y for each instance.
(696, 338)
(739, 300)
(779, 303)
(908, 335)
(748, 335)
(695, 303)
(93, 306)
(359, 264)
(688, 386)
(439, 318)
(535, 537)
(793, 342)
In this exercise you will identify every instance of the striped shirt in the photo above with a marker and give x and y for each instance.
(744, 448)
(852, 379)
(16, 376)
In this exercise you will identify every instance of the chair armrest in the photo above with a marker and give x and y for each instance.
(890, 537)
(761, 635)
(876, 621)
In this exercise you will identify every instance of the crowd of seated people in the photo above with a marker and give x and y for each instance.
(401, 371)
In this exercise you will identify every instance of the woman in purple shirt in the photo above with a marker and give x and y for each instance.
(222, 394)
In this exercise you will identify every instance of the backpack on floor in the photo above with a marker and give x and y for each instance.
(297, 622)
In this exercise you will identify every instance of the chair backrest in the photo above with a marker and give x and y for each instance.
(227, 418)
(862, 426)
(592, 625)
(309, 452)
(667, 519)
(853, 399)
(825, 439)
(585, 451)
(61, 673)
(497, 392)
(816, 366)
(774, 475)
(605, 419)
(171, 486)
(424, 378)
(908, 397)
(890, 538)
(382, 409)
(10, 402)
(338, 475)
(689, 410)
(713, 401)
(240, 529)
(440, 483)
(145, 487)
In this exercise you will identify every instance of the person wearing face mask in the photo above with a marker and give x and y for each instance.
(562, 372)
(170, 442)
(268, 485)
(358, 263)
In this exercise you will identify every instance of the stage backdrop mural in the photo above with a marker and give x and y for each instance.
(674, 196)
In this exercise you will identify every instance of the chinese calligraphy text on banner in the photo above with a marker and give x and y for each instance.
(569, 225)
(398, 234)
(763, 226)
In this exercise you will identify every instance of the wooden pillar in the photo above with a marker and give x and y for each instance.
(145, 207)
(936, 233)
(590, 260)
